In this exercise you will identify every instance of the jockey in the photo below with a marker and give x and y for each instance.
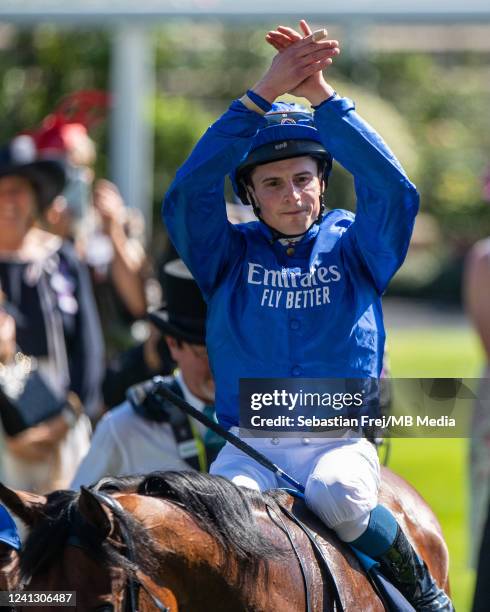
(279, 157)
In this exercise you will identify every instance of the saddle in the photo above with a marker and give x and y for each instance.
(348, 575)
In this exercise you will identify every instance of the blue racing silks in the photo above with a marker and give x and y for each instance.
(313, 314)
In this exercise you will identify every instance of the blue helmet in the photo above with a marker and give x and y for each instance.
(290, 132)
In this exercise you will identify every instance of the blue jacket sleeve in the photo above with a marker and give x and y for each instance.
(387, 202)
(194, 210)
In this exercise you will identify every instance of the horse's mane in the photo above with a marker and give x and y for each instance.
(117, 484)
(47, 538)
(223, 510)
(220, 508)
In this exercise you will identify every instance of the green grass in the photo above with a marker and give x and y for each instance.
(438, 468)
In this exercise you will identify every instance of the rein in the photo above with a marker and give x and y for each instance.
(321, 556)
(133, 584)
(283, 527)
(160, 389)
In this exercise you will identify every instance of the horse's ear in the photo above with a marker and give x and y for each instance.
(27, 506)
(94, 512)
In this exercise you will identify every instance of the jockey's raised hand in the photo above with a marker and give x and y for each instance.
(313, 87)
(293, 66)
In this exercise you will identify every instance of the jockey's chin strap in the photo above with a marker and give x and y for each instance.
(133, 584)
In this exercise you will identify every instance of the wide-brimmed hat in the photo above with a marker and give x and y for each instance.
(184, 314)
(47, 176)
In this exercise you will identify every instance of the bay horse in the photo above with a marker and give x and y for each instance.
(191, 542)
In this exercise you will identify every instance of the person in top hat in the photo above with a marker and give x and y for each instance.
(144, 433)
(46, 294)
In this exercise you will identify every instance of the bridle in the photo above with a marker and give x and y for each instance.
(133, 585)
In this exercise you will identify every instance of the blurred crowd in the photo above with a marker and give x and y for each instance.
(86, 320)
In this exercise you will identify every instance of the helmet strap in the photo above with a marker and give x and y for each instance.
(323, 197)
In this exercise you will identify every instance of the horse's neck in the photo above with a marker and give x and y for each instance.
(192, 562)
(193, 568)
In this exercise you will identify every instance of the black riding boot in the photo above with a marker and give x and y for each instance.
(406, 570)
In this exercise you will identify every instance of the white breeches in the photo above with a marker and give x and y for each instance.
(341, 476)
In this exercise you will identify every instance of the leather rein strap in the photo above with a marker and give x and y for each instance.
(321, 557)
(133, 584)
(283, 527)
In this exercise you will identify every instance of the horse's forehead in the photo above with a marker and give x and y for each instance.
(152, 511)
(167, 521)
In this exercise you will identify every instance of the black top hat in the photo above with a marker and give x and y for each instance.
(184, 315)
(47, 176)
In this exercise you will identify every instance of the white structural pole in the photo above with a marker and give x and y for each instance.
(131, 138)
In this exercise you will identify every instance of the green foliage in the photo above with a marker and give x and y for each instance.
(42, 65)
(178, 124)
(214, 61)
(445, 97)
(388, 121)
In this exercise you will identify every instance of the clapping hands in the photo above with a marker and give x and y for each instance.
(297, 67)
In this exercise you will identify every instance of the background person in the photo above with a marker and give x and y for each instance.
(47, 296)
(146, 434)
(477, 302)
(108, 235)
(127, 269)
(280, 160)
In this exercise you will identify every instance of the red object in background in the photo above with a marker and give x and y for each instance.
(73, 117)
